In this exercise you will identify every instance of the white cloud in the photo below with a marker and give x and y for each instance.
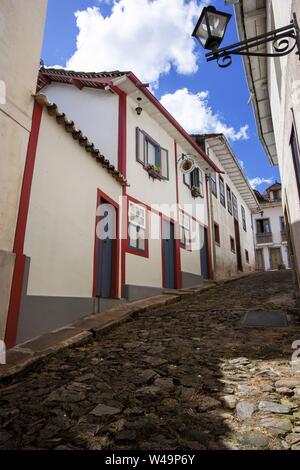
(255, 182)
(147, 37)
(242, 163)
(193, 112)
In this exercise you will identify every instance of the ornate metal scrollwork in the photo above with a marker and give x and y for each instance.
(284, 41)
(224, 61)
(282, 46)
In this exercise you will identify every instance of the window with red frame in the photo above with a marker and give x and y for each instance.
(185, 230)
(137, 227)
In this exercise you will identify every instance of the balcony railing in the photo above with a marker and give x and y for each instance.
(264, 238)
(283, 235)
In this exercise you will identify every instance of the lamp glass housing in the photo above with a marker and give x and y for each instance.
(211, 27)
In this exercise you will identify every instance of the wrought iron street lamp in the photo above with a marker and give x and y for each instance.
(211, 28)
(210, 31)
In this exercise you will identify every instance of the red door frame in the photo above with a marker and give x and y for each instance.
(177, 263)
(103, 197)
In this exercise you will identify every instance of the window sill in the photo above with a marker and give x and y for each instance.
(136, 252)
(186, 248)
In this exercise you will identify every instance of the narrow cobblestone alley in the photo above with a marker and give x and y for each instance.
(187, 376)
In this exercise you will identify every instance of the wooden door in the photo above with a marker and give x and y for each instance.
(238, 246)
(168, 254)
(260, 264)
(204, 253)
(275, 258)
(106, 254)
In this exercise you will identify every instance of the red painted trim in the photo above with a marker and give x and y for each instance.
(18, 275)
(122, 124)
(27, 179)
(176, 172)
(15, 301)
(124, 235)
(122, 167)
(104, 198)
(172, 120)
(178, 274)
(209, 242)
(149, 208)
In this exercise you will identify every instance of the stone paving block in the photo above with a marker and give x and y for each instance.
(265, 319)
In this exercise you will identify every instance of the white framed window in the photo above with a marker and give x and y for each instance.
(137, 226)
(185, 229)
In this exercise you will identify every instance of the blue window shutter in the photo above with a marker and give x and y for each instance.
(187, 179)
(140, 150)
(137, 143)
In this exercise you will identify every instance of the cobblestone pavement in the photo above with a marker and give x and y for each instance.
(187, 376)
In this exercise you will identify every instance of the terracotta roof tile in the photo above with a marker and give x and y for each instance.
(47, 75)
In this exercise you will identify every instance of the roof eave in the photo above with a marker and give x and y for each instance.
(256, 205)
(240, 21)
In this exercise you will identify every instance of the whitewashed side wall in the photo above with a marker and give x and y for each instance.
(282, 102)
(60, 233)
(95, 113)
(225, 259)
(190, 260)
(197, 208)
(142, 187)
(21, 34)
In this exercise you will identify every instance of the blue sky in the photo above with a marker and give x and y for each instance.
(227, 97)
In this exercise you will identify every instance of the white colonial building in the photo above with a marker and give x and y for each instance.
(272, 250)
(104, 153)
(232, 202)
(274, 85)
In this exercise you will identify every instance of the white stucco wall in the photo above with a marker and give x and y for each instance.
(190, 260)
(142, 187)
(282, 103)
(141, 271)
(95, 113)
(60, 233)
(225, 259)
(21, 31)
(197, 208)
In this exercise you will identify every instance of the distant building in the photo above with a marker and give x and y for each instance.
(274, 84)
(270, 232)
(232, 202)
